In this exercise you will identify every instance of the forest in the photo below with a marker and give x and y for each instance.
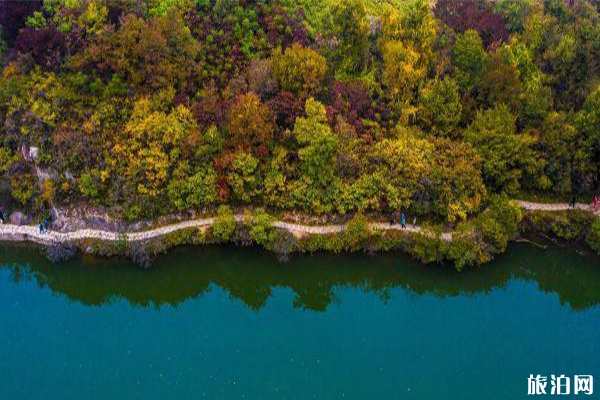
(334, 107)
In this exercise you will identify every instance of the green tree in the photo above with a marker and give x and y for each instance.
(458, 189)
(440, 106)
(587, 123)
(318, 143)
(317, 186)
(470, 60)
(398, 167)
(402, 73)
(506, 155)
(557, 144)
(244, 177)
(224, 225)
(348, 25)
(593, 237)
(300, 70)
(151, 146)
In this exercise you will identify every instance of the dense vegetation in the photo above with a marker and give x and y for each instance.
(154, 106)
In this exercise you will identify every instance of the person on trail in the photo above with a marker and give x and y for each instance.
(415, 221)
(1, 217)
(41, 228)
(403, 221)
(573, 201)
(47, 224)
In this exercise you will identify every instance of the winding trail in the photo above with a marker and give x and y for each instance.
(22, 233)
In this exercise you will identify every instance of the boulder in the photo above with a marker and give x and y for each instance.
(18, 218)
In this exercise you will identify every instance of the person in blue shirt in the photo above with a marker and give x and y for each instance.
(41, 227)
(403, 220)
(47, 224)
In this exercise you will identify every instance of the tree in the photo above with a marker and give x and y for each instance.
(458, 188)
(507, 156)
(317, 185)
(463, 15)
(260, 78)
(412, 23)
(440, 106)
(93, 19)
(250, 124)
(400, 168)
(557, 146)
(318, 143)
(353, 102)
(13, 15)
(401, 75)
(470, 60)
(514, 13)
(501, 83)
(3, 47)
(587, 123)
(46, 46)
(151, 146)
(243, 177)
(300, 70)
(187, 191)
(151, 55)
(224, 225)
(286, 108)
(349, 27)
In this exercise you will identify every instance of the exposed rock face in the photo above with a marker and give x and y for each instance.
(74, 219)
(18, 218)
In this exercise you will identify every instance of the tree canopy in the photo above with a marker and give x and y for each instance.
(159, 106)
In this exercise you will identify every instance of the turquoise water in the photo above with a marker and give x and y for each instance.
(231, 323)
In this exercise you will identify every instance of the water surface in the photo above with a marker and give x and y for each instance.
(233, 323)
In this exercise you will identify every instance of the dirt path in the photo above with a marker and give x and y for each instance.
(527, 205)
(10, 232)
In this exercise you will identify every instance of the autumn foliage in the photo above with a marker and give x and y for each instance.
(342, 106)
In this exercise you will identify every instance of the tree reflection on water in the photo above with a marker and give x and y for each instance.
(250, 275)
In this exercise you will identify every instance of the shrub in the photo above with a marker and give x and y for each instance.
(261, 229)
(88, 186)
(357, 232)
(568, 225)
(499, 224)
(427, 249)
(593, 237)
(224, 224)
(467, 250)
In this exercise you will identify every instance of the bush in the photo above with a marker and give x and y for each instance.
(357, 233)
(567, 225)
(467, 250)
(593, 237)
(499, 224)
(427, 249)
(261, 229)
(224, 224)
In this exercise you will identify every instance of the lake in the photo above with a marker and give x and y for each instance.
(235, 323)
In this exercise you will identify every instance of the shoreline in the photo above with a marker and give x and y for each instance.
(24, 233)
(30, 233)
(461, 247)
